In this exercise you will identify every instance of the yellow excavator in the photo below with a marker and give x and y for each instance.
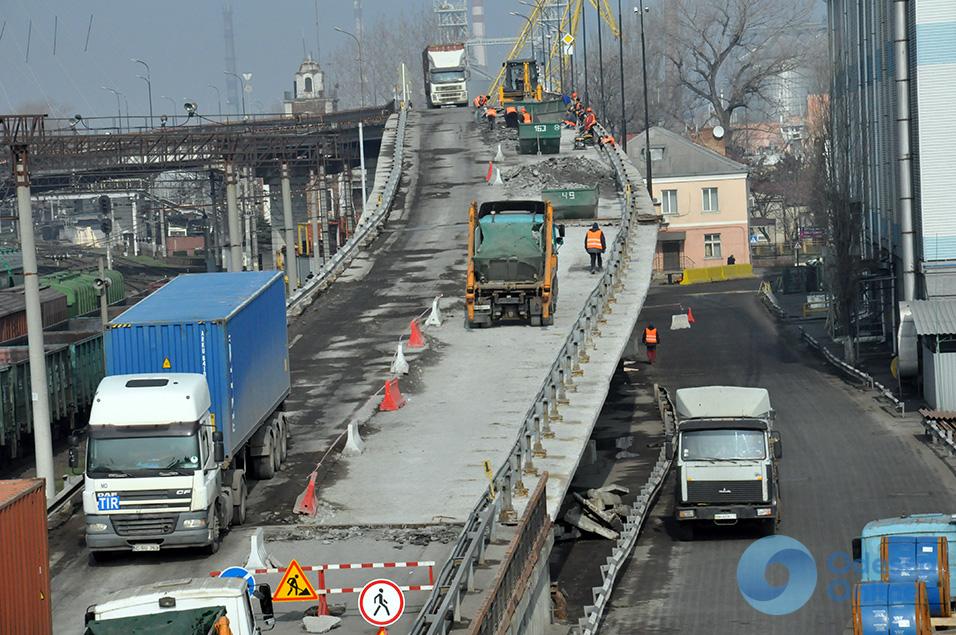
(520, 82)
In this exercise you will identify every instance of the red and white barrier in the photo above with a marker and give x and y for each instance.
(339, 567)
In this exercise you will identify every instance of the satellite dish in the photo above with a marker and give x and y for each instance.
(718, 132)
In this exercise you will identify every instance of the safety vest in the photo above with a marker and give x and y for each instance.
(650, 336)
(526, 117)
(590, 120)
(593, 240)
(492, 113)
(477, 102)
(510, 109)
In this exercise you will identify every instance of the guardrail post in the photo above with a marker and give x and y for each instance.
(584, 337)
(525, 442)
(562, 396)
(538, 450)
(515, 463)
(507, 515)
(553, 400)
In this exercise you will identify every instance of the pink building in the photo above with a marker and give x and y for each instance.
(704, 198)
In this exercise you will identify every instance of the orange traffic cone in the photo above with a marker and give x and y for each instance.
(306, 503)
(382, 631)
(415, 338)
(393, 399)
(690, 316)
(491, 172)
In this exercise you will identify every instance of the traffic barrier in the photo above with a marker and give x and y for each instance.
(891, 607)
(415, 338)
(926, 558)
(498, 180)
(690, 316)
(717, 273)
(306, 503)
(679, 321)
(435, 317)
(399, 364)
(499, 156)
(393, 399)
(258, 557)
(353, 443)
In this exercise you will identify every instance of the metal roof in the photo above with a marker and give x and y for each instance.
(682, 157)
(934, 317)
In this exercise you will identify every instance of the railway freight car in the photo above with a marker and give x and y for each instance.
(80, 289)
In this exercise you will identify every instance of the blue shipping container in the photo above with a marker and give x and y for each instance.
(230, 327)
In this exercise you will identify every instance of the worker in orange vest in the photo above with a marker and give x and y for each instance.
(511, 116)
(492, 116)
(595, 245)
(651, 339)
(589, 120)
(525, 115)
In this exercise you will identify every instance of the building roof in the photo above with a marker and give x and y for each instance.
(309, 65)
(682, 157)
(934, 317)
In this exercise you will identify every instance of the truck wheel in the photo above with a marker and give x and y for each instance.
(548, 321)
(284, 440)
(277, 450)
(215, 530)
(264, 466)
(239, 509)
(535, 320)
(97, 557)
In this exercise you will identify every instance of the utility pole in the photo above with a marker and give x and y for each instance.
(291, 260)
(103, 285)
(40, 396)
(132, 204)
(232, 213)
(647, 118)
(362, 165)
(620, 48)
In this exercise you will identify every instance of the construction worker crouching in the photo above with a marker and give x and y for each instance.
(511, 116)
(525, 115)
(595, 245)
(492, 116)
(590, 120)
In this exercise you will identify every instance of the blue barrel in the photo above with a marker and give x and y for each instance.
(897, 608)
(926, 558)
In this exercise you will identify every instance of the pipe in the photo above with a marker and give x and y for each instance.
(904, 171)
(291, 264)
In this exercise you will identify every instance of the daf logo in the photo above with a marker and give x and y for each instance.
(723, 491)
(182, 492)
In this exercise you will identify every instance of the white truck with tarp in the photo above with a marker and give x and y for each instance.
(725, 452)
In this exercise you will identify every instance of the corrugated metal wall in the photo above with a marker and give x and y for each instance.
(24, 562)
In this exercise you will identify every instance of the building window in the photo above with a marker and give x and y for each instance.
(710, 199)
(712, 246)
(669, 201)
(308, 84)
(657, 154)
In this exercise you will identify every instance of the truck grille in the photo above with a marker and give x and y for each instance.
(135, 525)
(146, 500)
(724, 491)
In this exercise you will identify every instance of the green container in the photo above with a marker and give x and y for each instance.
(74, 365)
(573, 203)
(80, 290)
(548, 111)
(543, 136)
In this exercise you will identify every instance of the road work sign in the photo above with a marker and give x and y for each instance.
(295, 587)
(381, 602)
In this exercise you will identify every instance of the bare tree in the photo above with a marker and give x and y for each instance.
(728, 54)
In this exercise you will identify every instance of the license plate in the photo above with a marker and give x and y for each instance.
(146, 547)
(725, 516)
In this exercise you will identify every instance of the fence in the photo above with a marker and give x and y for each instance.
(456, 577)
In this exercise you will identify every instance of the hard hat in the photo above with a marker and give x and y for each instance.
(588, 109)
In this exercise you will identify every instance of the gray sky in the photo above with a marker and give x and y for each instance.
(182, 40)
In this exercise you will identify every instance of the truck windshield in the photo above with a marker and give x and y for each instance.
(136, 455)
(446, 77)
(722, 445)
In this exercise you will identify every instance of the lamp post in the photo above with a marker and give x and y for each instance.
(242, 90)
(173, 102)
(647, 118)
(530, 27)
(601, 66)
(547, 71)
(620, 46)
(149, 87)
(218, 98)
(119, 107)
(361, 61)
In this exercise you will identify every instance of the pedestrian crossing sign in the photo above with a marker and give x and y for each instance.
(295, 587)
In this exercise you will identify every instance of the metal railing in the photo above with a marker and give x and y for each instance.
(365, 231)
(442, 609)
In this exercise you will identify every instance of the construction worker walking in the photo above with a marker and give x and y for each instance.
(595, 245)
(651, 339)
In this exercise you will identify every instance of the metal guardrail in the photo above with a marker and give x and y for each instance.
(770, 301)
(442, 608)
(365, 231)
(633, 523)
(940, 430)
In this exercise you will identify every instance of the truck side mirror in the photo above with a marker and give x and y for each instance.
(89, 616)
(856, 548)
(74, 451)
(669, 449)
(263, 593)
(777, 445)
(561, 231)
(218, 450)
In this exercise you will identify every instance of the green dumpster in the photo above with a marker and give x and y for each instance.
(549, 111)
(535, 137)
(573, 203)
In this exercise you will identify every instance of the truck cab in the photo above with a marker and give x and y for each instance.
(191, 604)
(446, 74)
(726, 457)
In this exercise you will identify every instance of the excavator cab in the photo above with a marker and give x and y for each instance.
(520, 81)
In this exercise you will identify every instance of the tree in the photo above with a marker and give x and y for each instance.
(728, 54)
(783, 191)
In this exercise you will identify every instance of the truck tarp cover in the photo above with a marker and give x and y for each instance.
(510, 249)
(189, 622)
(716, 402)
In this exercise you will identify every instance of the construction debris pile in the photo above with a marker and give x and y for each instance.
(600, 512)
(560, 172)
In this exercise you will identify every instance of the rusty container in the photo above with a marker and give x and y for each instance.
(24, 563)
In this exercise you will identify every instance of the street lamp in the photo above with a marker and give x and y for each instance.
(242, 90)
(149, 87)
(620, 45)
(218, 97)
(547, 71)
(647, 118)
(173, 104)
(530, 26)
(119, 107)
(545, 53)
(361, 61)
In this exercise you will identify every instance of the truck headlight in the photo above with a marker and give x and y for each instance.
(96, 527)
(686, 513)
(194, 523)
(764, 511)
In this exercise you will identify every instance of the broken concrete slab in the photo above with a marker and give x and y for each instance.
(583, 522)
(320, 623)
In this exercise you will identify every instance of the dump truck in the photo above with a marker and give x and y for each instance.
(446, 73)
(512, 263)
(726, 457)
(191, 406)
(183, 607)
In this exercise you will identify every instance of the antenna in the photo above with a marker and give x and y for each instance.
(318, 51)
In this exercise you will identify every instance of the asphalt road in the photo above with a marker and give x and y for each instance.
(845, 462)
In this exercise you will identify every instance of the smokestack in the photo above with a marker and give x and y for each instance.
(357, 12)
(478, 29)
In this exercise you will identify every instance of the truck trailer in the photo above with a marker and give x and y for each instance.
(726, 457)
(446, 73)
(192, 406)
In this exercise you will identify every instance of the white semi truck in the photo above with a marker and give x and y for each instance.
(726, 457)
(445, 69)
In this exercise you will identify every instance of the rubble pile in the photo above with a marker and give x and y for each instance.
(560, 172)
(599, 512)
